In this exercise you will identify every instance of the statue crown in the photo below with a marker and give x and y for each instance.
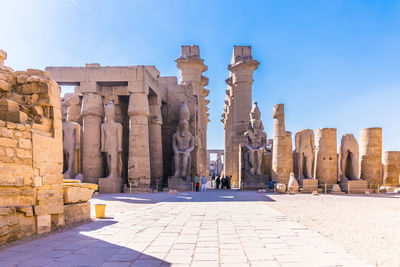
(184, 113)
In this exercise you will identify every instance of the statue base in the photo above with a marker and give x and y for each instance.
(308, 185)
(255, 182)
(354, 186)
(110, 185)
(177, 183)
(68, 176)
(137, 190)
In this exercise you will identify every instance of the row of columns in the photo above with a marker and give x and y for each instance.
(145, 140)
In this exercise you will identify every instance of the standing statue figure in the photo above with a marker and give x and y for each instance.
(71, 144)
(183, 144)
(305, 147)
(255, 140)
(349, 157)
(111, 141)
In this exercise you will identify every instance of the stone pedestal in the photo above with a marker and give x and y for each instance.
(136, 190)
(177, 183)
(110, 185)
(255, 182)
(68, 176)
(355, 186)
(308, 185)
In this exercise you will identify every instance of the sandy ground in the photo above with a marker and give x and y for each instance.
(366, 225)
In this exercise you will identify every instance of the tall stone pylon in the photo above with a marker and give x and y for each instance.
(191, 67)
(237, 107)
(282, 157)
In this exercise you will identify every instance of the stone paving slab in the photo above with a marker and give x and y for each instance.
(214, 228)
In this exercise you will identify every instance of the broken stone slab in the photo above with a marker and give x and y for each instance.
(78, 192)
(76, 212)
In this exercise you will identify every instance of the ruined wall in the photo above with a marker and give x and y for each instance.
(31, 198)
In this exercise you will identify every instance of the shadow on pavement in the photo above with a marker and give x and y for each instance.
(77, 248)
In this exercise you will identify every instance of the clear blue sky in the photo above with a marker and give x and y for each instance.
(332, 63)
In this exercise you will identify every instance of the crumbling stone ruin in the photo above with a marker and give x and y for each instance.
(32, 197)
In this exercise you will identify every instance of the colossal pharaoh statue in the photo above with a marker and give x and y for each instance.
(111, 142)
(71, 145)
(255, 140)
(305, 147)
(183, 144)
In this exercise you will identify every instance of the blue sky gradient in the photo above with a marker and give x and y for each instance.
(332, 63)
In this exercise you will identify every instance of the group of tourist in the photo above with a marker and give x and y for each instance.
(221, 182)
(203, 181)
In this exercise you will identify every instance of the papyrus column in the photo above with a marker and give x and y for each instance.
(242, 67)
(92, 117)
(155, 139)
(139, 152)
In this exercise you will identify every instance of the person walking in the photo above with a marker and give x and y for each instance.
(203, 183)
(196, 182)
(217, 182)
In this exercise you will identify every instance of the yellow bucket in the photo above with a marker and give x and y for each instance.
(100, 210)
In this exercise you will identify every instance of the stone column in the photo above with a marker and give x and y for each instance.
(92, 118)
(326, 160)
(155, 140)
(391, 168)
(242, 67)
(371, 155)
(191, 67)
(282, 156)
(139, 152)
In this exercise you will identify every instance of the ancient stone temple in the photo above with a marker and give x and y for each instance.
(146, 106)
(237, 107)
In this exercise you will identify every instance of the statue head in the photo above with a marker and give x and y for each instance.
(255, 118)
(183, 127)
(278, 111)
(110, 111)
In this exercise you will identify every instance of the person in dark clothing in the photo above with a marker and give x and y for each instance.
(197, 182)
(217, 182)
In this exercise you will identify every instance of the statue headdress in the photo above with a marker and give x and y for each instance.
(184, 113)
(255, 113)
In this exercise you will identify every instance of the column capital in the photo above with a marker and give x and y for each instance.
(92, 104)
(138, 105)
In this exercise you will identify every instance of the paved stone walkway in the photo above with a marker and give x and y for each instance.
(216, 228)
